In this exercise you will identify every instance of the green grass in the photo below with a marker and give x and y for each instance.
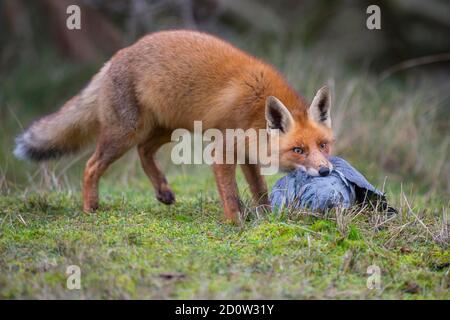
(135, 247)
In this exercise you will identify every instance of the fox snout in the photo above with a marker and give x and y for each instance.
(317, 164)
(324, 171)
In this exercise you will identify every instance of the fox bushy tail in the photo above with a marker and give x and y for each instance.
(65, 131)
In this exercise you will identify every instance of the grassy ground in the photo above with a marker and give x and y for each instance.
(137, 248)
(395, 132)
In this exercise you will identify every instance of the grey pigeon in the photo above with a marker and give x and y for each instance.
(343, 187)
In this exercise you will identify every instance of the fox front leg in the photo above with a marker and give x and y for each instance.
(225, 175)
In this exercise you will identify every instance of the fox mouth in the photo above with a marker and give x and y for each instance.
(310, 171)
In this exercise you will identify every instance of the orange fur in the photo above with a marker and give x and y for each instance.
(168, 80)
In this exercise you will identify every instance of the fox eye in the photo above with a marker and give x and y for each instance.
(298, 150)
(323, 146)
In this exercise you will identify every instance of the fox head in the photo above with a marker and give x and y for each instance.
(304, 143)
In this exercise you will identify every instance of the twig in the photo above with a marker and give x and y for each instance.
(411, 63)
(417, 218)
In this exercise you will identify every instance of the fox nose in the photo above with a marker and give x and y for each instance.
(324, 171)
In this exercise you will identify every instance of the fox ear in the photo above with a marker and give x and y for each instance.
(277, 115)
(320, 107)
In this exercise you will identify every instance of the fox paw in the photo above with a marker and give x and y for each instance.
(165, 196)
(90, 208)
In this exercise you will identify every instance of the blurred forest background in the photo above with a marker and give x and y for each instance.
(391, 86)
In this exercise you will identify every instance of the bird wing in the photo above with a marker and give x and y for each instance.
(352, 175)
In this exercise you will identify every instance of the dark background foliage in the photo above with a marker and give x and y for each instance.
(391, 86)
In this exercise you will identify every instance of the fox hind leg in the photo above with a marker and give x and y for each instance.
(147, 151)
(119, 121)
(107, 151)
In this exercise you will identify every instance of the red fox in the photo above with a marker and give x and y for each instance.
(168, 80)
